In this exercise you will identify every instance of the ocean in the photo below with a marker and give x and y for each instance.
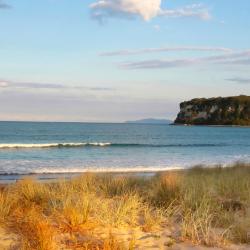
(53, 148)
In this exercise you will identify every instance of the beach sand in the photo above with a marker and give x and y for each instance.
(159, 240)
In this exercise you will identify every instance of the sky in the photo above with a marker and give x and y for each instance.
(118, 60)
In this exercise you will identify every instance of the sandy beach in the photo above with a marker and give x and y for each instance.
(200, 208)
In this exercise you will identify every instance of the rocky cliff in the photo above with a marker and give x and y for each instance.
(215, 111)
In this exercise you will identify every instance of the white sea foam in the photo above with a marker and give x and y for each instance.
(98, 144)
(52, 145)
(101, 144)
(79, 170)
(137, 169)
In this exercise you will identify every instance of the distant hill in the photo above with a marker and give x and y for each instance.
(151, 121)
(234, 110)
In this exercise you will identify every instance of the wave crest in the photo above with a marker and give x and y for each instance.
(52, 145)
(100, 144)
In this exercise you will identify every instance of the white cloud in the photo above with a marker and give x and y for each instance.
(165, 49)
(146, 9)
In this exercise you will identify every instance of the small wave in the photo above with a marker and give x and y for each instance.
(51, 145)
(167, 145)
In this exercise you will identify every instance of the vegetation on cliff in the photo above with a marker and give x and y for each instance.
(233, 110)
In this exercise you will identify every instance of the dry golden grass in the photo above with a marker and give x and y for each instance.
(34, 230)
(5, 206)
(211, 205)
(165, 189)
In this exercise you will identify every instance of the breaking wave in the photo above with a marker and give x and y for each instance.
(99, 144)
(52, 145)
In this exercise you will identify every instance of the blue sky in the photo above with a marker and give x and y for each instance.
(116, 60)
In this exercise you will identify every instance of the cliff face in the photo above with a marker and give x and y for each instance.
(215, 111)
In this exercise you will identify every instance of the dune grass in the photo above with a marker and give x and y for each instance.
(210, 206)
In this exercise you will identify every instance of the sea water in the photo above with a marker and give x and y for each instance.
(33, 147)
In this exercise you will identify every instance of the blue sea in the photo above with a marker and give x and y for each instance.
(49, 148)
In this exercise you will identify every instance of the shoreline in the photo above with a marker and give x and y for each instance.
(44, 177)
(8, 178)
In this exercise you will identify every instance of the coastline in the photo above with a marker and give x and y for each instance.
(12, 178)
(209, 125)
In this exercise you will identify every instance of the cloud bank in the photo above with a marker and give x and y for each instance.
(58, 102)
(146, 9)
(234, 58)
